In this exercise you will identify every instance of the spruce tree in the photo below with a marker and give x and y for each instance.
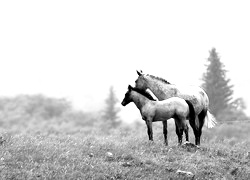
(217, 85)
(111, 110)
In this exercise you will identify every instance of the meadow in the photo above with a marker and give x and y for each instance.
(125, 153)
(45, 138)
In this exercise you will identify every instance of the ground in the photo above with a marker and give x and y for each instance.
(123, 154)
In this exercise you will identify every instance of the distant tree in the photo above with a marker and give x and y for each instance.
(237, 109)
(111, 110)
(239, 104)
(46, 107)
(217, 85)
(42, 113)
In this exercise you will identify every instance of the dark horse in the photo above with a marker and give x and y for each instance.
(152, 111)
(162, 89)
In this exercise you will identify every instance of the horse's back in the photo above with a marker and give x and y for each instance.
(176, 105)
(195, 94)
(180, 105)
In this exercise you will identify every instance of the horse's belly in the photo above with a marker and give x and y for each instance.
(159, 119)
(162, 115)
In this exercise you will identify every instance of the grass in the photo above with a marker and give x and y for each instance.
(121, 155)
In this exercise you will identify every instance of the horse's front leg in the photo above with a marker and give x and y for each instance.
(165, 132)
(150, 130)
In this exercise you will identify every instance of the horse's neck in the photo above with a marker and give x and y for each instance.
(161, 89)
(139, 100)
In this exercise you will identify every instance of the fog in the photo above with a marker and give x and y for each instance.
(77, 50)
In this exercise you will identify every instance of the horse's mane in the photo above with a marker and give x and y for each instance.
(159, 78)
(143, 93)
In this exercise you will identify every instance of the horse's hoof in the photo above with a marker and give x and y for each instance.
(187, 142)
(190, 145)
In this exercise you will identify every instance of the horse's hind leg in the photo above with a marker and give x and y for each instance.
(165, 131)
(186, 132)
(150, 130)
(201, 117)
(195, 128)
(179, 132)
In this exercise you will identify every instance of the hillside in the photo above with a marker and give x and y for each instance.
(45, 138)
(124, 154)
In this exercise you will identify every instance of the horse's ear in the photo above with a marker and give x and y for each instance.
(139, 72)
(129, 87)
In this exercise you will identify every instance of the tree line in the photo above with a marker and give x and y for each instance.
(57, 114)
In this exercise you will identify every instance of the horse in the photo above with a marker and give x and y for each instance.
(152, 111)
(162, 89)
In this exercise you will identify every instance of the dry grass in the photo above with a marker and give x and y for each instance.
(119, 156)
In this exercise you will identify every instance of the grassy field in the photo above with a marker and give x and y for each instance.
(125, 154)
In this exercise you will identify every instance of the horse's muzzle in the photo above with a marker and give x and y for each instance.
(123, 103)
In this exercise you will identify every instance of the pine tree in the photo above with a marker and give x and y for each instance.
(111, 111)
(217, 85)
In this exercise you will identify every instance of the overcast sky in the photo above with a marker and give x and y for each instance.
(78, 49)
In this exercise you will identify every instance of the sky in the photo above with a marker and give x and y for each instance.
(78, 49)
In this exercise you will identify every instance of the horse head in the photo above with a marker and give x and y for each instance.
(127, 99)
(141, 81)
(158, 86)
(139, 72)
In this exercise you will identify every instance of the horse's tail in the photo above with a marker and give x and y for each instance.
(191, 110)
(210, 120)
